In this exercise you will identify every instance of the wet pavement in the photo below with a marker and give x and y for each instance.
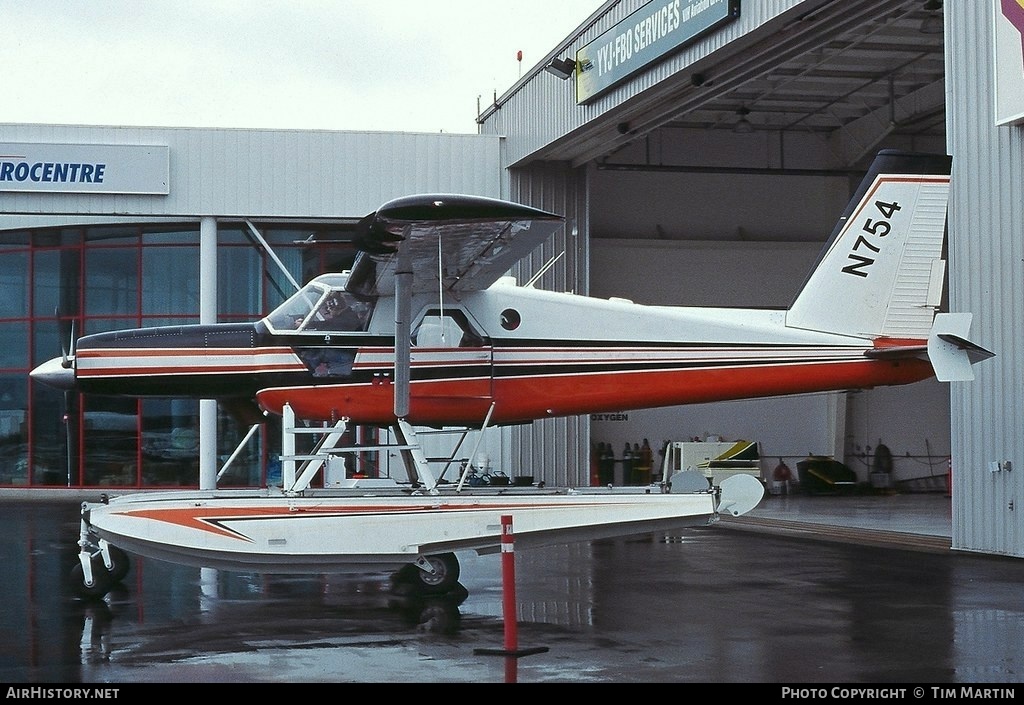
(775, 602)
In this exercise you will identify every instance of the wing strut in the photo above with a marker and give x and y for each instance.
(476, 446)
(416, 464)
(273, 255)
(238, 450)
(403, 309)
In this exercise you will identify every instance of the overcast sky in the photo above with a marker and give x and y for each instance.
(395, 65)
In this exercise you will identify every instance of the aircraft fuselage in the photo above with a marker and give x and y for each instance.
(532, 353)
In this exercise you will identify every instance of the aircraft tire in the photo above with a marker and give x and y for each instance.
(444, 579)
(101, 580)
(121, 564)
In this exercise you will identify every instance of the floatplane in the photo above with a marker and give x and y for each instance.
(426, 330)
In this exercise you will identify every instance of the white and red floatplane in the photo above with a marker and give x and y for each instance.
(426, 330)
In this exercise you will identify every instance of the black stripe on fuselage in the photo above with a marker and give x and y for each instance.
(689, 357)
(552, 369)
(546, 343)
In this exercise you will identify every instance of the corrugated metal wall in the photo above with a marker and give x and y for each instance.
(276, 173)
(555, 450)
(986, 223)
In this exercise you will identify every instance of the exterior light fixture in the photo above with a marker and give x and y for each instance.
(563, 68)
(932, 24)
(743, 125)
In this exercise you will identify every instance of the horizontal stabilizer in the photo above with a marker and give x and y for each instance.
(949, 349)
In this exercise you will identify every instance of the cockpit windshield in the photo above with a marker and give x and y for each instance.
(321, 305)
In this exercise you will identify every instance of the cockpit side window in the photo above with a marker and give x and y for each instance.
(291, 314)
(449, 329)
(339, 311)
(318, 308)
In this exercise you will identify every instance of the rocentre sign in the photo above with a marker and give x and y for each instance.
(84, 168)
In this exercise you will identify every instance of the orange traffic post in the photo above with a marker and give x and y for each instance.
(508, 601)
(508, 585)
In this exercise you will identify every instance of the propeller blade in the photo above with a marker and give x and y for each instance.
(67, 338)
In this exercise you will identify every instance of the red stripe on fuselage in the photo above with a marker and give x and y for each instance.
(527, 397)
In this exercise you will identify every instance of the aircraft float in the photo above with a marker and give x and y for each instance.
(426, 330)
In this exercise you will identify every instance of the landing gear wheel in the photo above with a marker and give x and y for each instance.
(442, 581)
(101, 580)
(119, 564)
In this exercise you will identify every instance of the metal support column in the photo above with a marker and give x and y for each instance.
(207, 315)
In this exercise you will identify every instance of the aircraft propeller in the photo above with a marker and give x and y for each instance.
(67, 340)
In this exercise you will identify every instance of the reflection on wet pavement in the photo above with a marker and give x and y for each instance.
(704, 605)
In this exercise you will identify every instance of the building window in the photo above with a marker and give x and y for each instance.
(65, 282)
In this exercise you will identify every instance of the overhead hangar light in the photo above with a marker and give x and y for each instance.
(563, 68)
(743, 124)
(932, 23)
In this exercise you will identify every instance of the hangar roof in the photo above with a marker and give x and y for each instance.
(859, 71)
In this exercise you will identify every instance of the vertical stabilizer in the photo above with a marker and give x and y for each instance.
(881, 273)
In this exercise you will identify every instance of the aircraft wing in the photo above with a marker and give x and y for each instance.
(477, 240)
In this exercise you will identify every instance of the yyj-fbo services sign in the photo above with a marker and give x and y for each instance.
(647, 35)
(84, 168)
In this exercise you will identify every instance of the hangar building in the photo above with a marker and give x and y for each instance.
(701, 151)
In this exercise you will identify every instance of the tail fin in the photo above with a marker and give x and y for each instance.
(882, 271)
(881, 274)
